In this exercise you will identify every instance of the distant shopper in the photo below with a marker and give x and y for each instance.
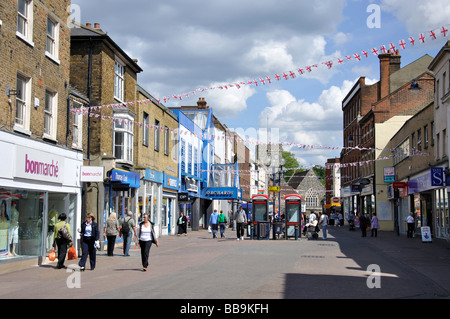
(60, 242)
(222, 219)
(374, 225)
(324, 223)
(147, 237)
(110, 232)
(182, 224)
(89, 236)
(410, 223)
(127, 226)
(213, 222)
(363, 224)
(241, 219)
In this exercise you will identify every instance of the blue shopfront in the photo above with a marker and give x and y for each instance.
(120, 192)
(169, 211)
(429, 200)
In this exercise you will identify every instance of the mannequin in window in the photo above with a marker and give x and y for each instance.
(13, 229)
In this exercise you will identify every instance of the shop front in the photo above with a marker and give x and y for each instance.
(150, 195)
(121, 193)
(169, 211)
(38, 182)
(429, 201)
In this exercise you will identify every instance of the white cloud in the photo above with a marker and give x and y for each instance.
(419, 15)
(317, 123)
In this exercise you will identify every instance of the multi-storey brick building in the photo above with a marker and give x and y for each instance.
(107, 76)
(372, 115)
(39, 175)
(156, 159)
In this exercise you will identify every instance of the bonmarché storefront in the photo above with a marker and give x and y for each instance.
(38, 182)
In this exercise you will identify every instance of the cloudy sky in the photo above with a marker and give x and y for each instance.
(193, 48)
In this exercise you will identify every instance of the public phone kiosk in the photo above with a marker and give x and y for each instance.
(293, 216)
(260, 217)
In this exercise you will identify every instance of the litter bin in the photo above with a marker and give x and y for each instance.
(277, 230)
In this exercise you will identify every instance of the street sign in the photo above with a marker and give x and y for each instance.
(274, 188)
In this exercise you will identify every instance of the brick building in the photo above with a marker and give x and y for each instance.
(372, 115)
(39, 175)
(102, 72)
(156, 160)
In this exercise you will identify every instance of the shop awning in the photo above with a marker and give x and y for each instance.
(122, 178)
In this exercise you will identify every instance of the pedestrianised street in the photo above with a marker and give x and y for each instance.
(345, 266)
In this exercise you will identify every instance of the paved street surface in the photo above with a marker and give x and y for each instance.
(199, 267)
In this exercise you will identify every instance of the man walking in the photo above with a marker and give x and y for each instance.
(213, 222)
(222, 219)
(324, 222)
(241, 219)
(127, 226)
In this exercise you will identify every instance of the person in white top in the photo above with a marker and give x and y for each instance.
(410, 222)
(324, 223)
(146, 238)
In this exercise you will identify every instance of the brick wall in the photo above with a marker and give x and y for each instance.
(28, 59)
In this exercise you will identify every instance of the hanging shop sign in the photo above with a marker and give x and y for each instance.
(92, 173)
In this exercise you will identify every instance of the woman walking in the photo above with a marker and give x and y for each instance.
(147, 237)
(110, 231)
(374, 225)
(61, 242)
(89, 235)
(182, 224)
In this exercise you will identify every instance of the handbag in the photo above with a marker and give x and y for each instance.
(209, 229)
(72, 253)
(52, 254)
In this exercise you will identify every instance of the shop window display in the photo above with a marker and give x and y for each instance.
(22, 221)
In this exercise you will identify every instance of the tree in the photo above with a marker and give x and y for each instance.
(290, 162)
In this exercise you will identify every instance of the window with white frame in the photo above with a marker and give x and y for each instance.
(119, 80)
(22, 117)
(166, 140)
(25, 20)
(50, 111)
(145, 128)
(77, 132)
(157, 135)
(123, 138)
(52, 45)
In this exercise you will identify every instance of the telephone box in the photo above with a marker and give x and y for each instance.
(293, 218)
(260, 216)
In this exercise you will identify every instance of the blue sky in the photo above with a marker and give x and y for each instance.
(183, 45)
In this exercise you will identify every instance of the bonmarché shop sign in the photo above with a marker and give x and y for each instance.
(38, 165)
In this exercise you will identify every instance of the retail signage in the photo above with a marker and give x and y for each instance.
(399, 184)
(191, 184)
(126, 177)
(170, 182)
(355, 188)
(183, 197)
(38, 165)
(91, 173)
(222, 193)
(426, 234)
(153, 176)
(437, 176)
(389, 175)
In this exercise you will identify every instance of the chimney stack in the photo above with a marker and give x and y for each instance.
(201, 103)
(389, 63)
(97, 25)
(89, 25)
